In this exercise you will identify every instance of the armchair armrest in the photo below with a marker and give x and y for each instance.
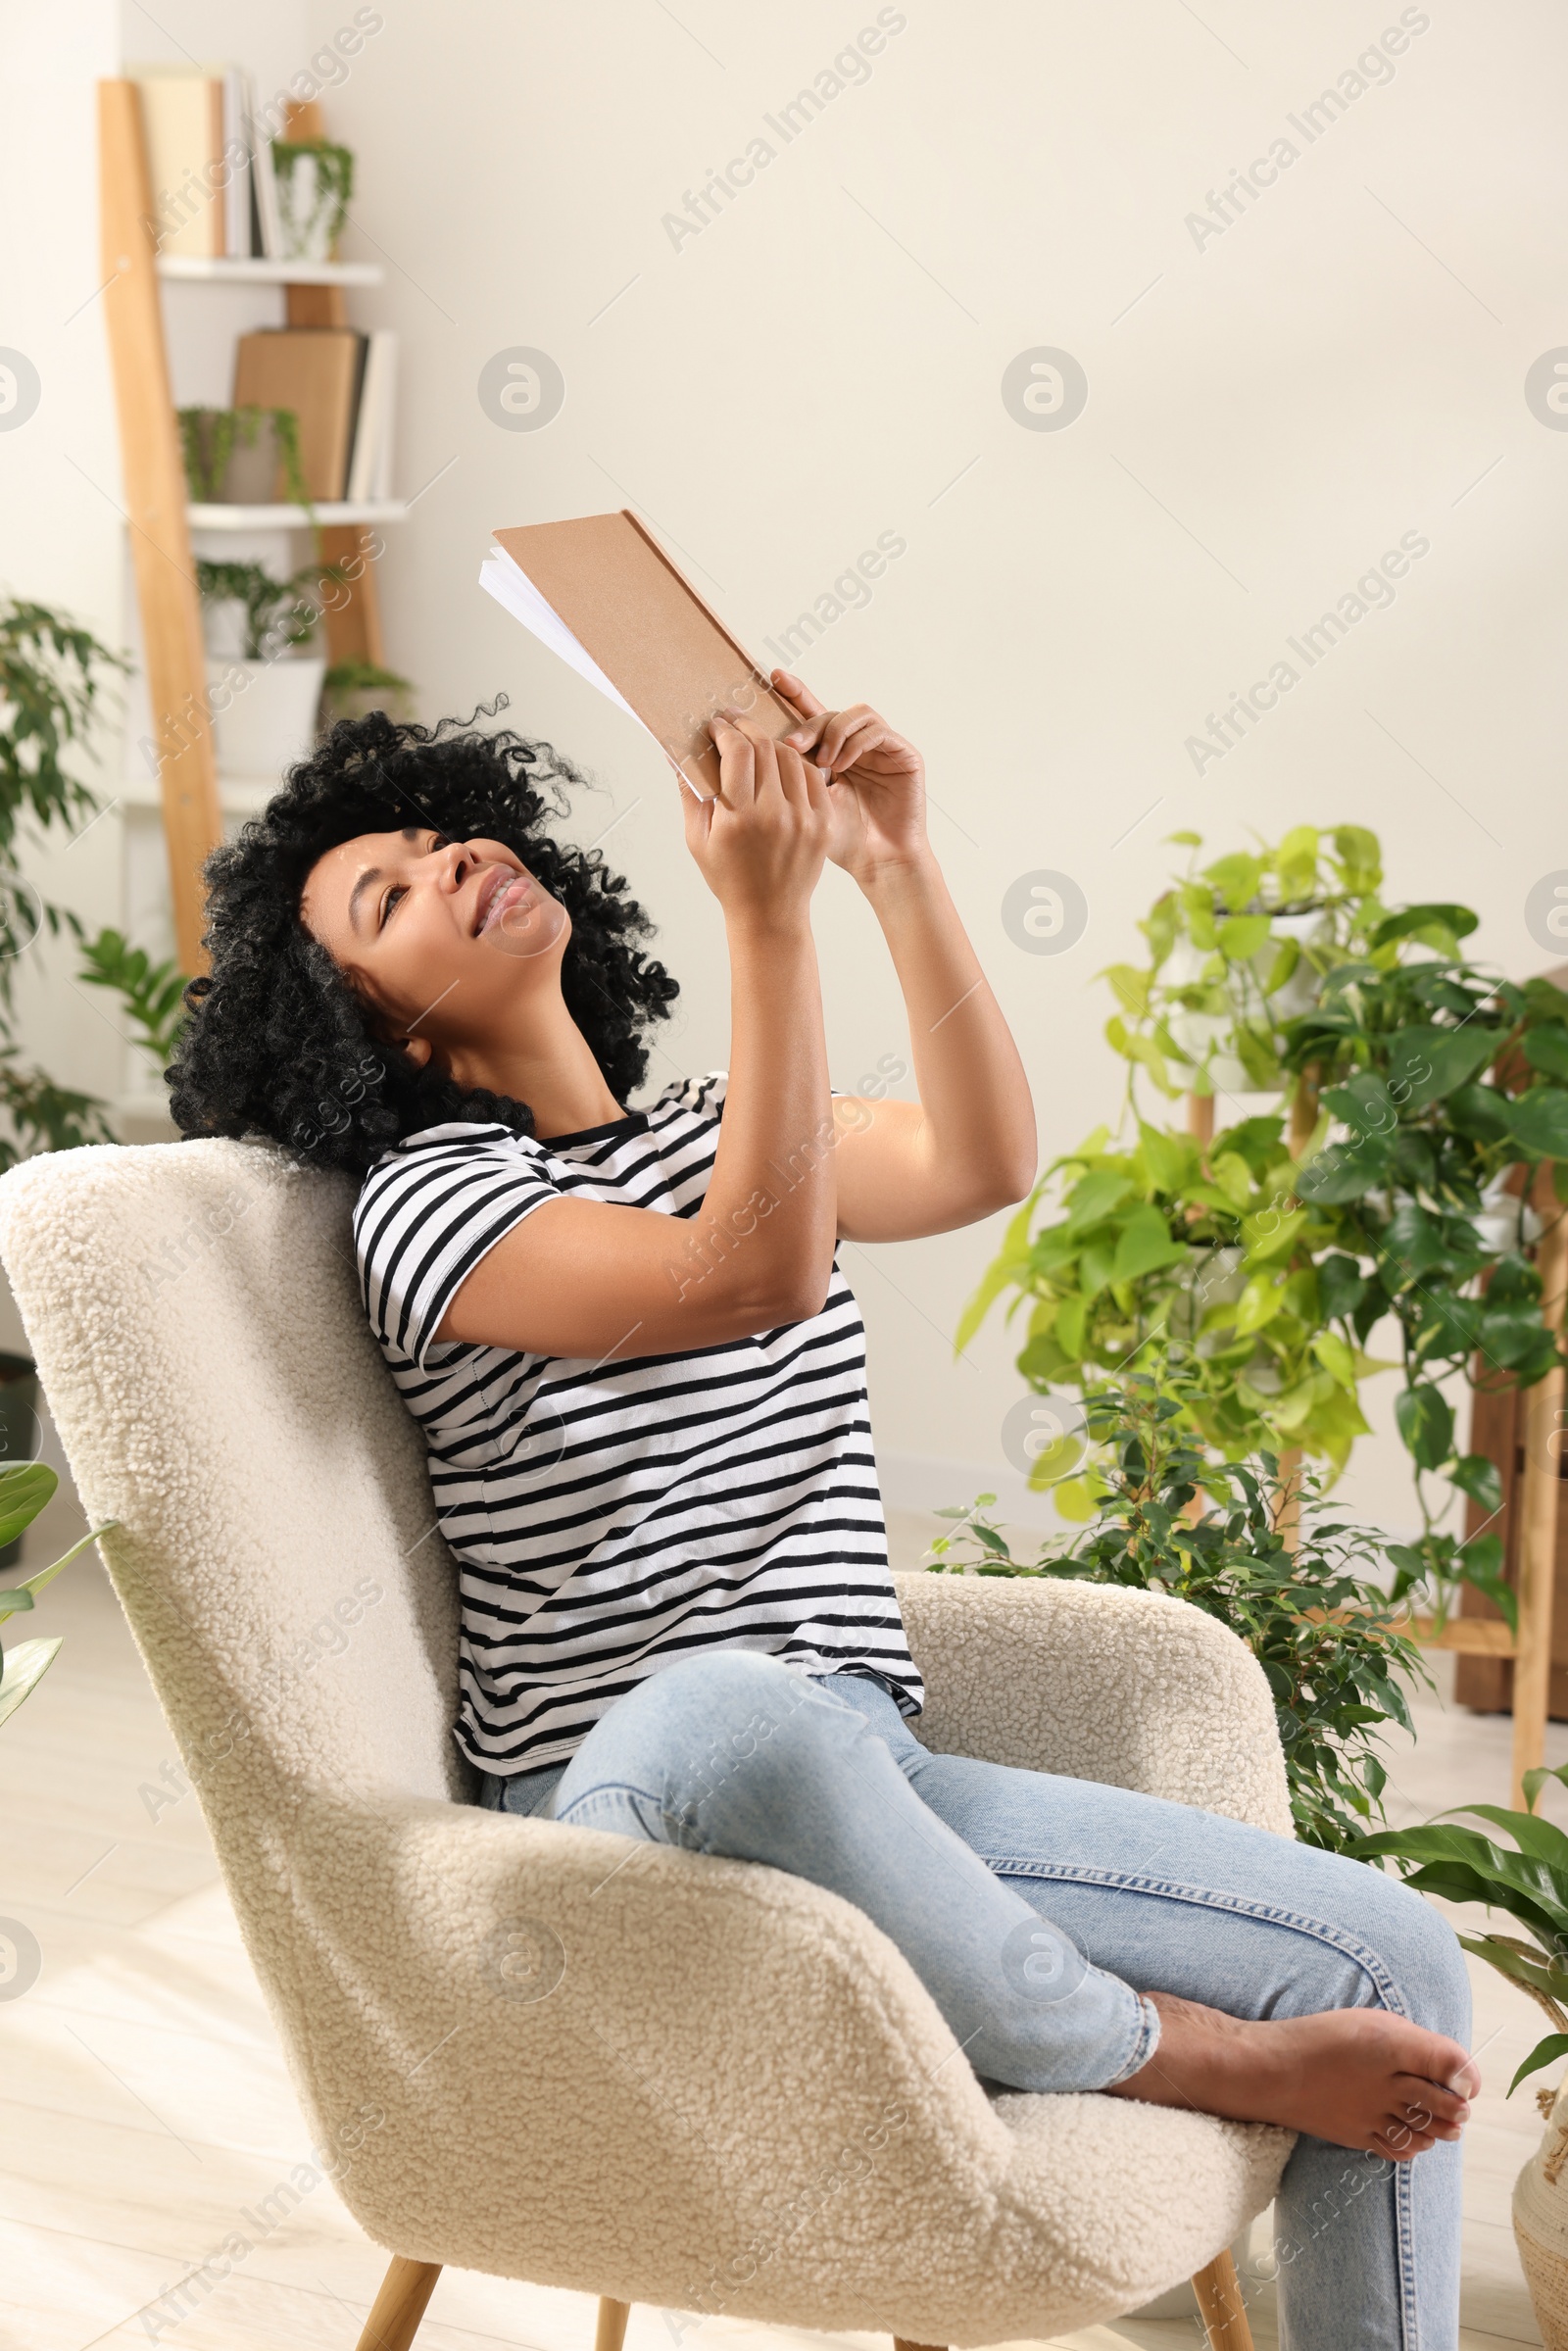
(1127, 1688)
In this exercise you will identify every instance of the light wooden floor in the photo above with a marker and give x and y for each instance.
(143, 2100)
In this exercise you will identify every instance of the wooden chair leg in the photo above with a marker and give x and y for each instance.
(611, 2331)
(1219, 2298)
(394, 2320)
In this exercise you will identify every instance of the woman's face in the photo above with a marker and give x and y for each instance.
(448, 938)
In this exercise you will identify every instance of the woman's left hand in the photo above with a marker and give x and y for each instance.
(877, 780)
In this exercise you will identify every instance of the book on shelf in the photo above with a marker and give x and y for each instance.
(602, 593)
(316, 371)
(370, 466)
(197, 123)
(266, 223)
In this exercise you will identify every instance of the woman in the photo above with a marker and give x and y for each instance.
(639, 1374)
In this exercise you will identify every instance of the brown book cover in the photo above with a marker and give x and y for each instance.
(645, 630)
(314, 370)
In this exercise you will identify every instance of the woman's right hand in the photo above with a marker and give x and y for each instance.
(762, 840)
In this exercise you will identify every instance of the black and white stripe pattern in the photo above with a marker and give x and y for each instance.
(609, 1518)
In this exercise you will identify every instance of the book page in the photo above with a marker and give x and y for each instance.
(504, 579)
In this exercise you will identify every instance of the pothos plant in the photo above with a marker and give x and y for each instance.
(1169, 1519)
(1417, 1092)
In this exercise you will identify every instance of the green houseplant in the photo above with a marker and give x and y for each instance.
(233, 456)
(273, 615)
(1412, 1089)
(315, 181)
(53, 676)
(1167, 1518)
(1527, 1880)
(26, 1488)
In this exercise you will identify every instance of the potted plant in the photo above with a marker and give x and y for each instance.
(243, 456)
(352, 689)
(263, 688)
(25, 1489)
(1165, 1517)
(315, 181)
(1411, 1085)
(53, 676)
(1529, 1883)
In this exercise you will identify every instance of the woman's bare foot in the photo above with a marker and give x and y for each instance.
(1356, 2076)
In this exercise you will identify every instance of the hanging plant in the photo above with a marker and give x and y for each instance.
(209, 436)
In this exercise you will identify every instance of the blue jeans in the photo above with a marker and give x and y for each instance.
(1037, 1911)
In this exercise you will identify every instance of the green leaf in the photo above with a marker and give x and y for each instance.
(1539, 1121)
(1131, 988)
(1546, 2052)
(25, 1667)
(1286, 960)
(1100, 1194)
(1341, 1287)
(1144, 1243)
(1004, 1268)
(1169, 1158)
(1360, 855)
(1414, 1240)
(1258, 1303)
(1344, 1172)
(1425, 1064)
(26, 1488)
(1480, 1112)
(1480, 1479)
(1243, 936)
(1457, 921)
(1236, 879)
(1337, 1360)
(1070, 1321)
(1546, 1049)
(1295, 860)
(1425, 1421)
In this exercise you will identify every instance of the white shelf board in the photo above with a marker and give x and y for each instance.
(240, 272)
(327, 513)
(238, 795)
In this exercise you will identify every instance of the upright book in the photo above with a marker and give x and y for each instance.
(182, 117)
(314, 371)
(602, 593)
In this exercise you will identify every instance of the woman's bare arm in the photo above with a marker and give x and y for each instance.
(593, 1278)
(968, 1145)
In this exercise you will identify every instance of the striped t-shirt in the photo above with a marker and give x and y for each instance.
(609, 1518)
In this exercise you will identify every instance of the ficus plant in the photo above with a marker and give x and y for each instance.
(54, 677)
(1167, 1518)
(1416, 1093)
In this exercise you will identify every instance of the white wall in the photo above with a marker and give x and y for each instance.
(1269, 409)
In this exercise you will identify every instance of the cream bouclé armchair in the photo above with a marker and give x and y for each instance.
(542, 2051)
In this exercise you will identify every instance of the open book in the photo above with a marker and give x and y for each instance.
(602, 593)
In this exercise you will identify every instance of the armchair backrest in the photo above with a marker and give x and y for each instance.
(195, 1316)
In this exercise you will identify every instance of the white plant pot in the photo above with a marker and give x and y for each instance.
(264, 713)
(1540, 2230)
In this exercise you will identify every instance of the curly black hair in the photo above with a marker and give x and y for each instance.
(280, 1044)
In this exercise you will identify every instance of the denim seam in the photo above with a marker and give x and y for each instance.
(1172, 1889)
